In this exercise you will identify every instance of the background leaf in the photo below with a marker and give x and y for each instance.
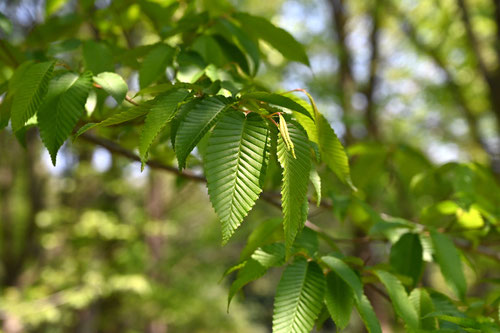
(154, 64)
(448, 258)
(406, 256)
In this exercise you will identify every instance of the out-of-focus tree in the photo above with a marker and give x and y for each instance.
(410, 224)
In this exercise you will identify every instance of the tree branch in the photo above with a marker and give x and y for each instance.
(471, 36)
(370, 111)
(270, 197)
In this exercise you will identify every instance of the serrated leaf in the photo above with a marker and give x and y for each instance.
(154, 64)
(278, 38)
(399, 298)
(406, 256)
(448, 259)
(234, 161)
(299, 297)
(295, 182)
(162, 112)
(113, 84)
(97, 57)
(339, 300)
(30, 93)
(197, 123)
(279, 100)
(62, 108)
(332, 151)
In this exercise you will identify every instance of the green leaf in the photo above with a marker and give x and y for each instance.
(400, 301)
(113, 84)
(346, 273)
(154, 64)
(5, 24)
(97, 57)
(299, 297)
(278, 38)
(197, 123)
(362, 304)
(119, 117)
(279, 100)
(406, 256)
(62, 108)
(210, 50)
(234, 163)
(332, 151)
(163, 110)
(31, 91)
(367, 314)
(262, 259)
(422, 302)
(295, 182)
(5, 107)
(316, 181)
(262, 234)
(231, 31)
(339, 300)
(448, 258)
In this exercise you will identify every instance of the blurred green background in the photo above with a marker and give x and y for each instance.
(94, 245)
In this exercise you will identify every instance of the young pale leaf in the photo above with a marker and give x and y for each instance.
(154, 64)
(113, 84)
(62, 108)
(400, 301)
(286, 136)
(196, 124)
(279, 100)
(276, 37)
(30, 93)
(295, 182)
(316, 181)
(119, 117)
(162, 111)
(339, 300)
(406, 256)
(234, 161)
(299, 297)
(448, 258)
(422, 302)
(97, 57)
